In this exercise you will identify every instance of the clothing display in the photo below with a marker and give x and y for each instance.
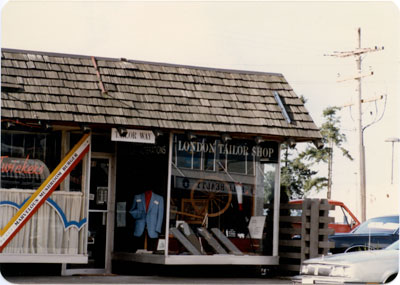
(147, 195)
(150, 217)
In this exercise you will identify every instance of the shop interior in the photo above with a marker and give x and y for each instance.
(140, 168)
(215, 198)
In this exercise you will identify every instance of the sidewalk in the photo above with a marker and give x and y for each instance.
(123, 279)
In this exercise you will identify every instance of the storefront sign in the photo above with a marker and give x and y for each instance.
(187, 183)
(24, 172)
(136, 136)
(21, 166)
(265, 150)
(44, 191)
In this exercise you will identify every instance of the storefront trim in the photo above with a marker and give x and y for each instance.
(168, 208)
(42, 258)
(277, 201)
(216, 259)
(222, 259)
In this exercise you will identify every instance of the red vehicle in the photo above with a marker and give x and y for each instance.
(345, 220)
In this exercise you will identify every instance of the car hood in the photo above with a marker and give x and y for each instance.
(339, 235)
(352, 258)
(354, 235)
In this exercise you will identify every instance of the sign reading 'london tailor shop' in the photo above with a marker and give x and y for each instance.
(266, 150)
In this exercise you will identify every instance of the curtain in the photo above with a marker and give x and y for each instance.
(58, 227)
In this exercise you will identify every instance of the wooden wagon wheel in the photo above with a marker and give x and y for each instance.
(217, 200)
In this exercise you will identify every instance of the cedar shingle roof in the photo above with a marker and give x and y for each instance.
(82, 89)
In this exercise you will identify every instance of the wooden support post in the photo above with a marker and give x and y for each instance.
(325, 231)
(305, 225)
(314, 227)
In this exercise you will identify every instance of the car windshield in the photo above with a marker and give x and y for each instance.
(378, 225)
(393, 246)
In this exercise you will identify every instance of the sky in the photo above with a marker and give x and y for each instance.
(293, 38)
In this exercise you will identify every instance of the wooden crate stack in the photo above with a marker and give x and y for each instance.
(306, 236)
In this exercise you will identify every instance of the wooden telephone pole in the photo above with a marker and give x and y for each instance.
(358, 52)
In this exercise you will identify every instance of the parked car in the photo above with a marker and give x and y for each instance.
(374, 266)
(345, 220)
(375, 233)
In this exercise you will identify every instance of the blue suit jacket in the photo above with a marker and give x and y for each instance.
(153, 219)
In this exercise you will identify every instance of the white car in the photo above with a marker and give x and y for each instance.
(361, 267)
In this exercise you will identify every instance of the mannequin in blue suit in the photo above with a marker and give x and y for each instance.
(148, 217)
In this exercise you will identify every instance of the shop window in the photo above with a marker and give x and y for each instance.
(187, 154)
(239, 158)
(269, 174)
(227, 194)
(100, 143)
(27, 158)
(76, 175)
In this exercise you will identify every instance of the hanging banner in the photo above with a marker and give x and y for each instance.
(44, 191)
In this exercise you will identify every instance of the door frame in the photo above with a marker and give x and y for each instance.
(110, 217)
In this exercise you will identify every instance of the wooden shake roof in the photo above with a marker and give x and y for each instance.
(63, 88)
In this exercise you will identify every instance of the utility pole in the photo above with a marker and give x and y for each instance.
(358, 52)
(361, 148)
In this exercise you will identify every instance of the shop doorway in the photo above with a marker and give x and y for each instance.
(100, 217)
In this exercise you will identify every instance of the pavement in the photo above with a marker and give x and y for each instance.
(124, 279)
(134, 273)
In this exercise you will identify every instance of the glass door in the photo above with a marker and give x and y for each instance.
(98, 211)
(100, 221)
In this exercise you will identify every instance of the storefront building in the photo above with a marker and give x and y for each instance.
(111, 159)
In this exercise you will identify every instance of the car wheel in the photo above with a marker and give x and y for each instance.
(357, 248)
(391, 278)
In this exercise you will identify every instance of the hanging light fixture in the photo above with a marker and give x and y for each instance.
(122, 131)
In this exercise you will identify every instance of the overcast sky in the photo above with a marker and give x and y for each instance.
(292, 38)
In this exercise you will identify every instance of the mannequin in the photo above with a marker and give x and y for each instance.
(148, 212)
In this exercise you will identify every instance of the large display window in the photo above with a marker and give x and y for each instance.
(56, 227)
(220, 191)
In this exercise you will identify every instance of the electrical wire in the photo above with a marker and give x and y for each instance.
(380, 118)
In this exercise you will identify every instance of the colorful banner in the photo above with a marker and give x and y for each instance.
(44, 191)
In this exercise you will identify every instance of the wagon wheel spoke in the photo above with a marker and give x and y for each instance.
(215, 203)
